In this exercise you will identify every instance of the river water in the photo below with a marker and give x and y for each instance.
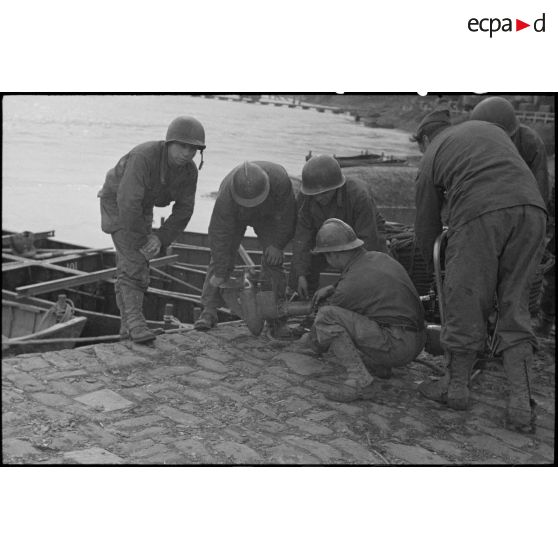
(57, 149)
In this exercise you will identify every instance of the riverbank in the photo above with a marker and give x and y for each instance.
(226, 397)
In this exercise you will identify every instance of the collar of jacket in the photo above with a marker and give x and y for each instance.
(359, 253)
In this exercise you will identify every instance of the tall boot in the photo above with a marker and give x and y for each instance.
(124, 333)
(520, 414)
(279, 329)
(453, 388)
(133, 305)
(359, 384)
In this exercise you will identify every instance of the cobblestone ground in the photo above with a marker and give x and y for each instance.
(226, 397)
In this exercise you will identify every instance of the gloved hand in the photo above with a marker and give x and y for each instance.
(321, 294)
(273, 255)
(151, 248)
(302, 287)
(215, 281)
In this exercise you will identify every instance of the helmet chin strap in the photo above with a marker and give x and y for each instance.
(201, 162)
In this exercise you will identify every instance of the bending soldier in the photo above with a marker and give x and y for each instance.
(372, 319)
(326, 193)
(496, 225)
(155, 173)
(260, 195)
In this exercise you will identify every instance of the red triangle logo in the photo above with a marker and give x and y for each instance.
(519, 25)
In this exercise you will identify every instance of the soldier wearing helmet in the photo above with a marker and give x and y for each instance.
(255, 194)
(372, 319)
(155, 173)
(327, 193)
(496, 221)
(531, 147)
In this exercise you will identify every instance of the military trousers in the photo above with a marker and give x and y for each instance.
(132, 269)
(384, 345)
(492, 257)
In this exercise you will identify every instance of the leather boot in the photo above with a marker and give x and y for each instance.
(133, 309)
(520, 414)
(453, 388)
(207, 320)
(359, 384)
(377, 370)
(461, 366)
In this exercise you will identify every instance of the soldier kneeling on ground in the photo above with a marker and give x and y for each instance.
(373, 319)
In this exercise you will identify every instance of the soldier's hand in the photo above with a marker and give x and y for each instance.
(321, 294)
(216, 281)
(273, 255)
(302, 287)
(151, 248)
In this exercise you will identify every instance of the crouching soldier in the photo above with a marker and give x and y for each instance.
(373, 318)
(154, 173)
(326, 193)
(260, 195)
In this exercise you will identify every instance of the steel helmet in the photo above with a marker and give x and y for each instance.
(250, 185)
(336, 236)
(499, 111)
(321, 174)
(188, 130)
(439, 118)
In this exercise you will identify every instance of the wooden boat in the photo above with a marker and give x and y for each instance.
(26, 322)
(369, 159)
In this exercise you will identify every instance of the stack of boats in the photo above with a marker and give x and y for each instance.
(58, 290)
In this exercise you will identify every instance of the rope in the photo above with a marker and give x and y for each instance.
(429, 365)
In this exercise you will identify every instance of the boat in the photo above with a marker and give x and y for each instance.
(369, 159)
(22, 323)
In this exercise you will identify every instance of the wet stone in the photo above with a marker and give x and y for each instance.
(239, 453)
(296, 405)
(309, 426)
(212, 365)
(105, 399)
(287, 455)
(186, 419)
(25, 381)
(324, 452)
(14, 447)
(168, 371)
(302, 364)
(415, 455)
(33, 363)
(52, 399)
(93, 456)
(356, 451)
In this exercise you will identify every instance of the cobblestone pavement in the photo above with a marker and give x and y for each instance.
(226, 397)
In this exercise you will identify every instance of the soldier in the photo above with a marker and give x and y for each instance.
(373, 308)
(531, 147)
(496, 224)
(154, 173)
(260, 195)
(327, 193)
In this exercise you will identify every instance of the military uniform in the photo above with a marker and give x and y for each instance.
(376, 303)
(141, 180)
(532, 150)
(354, 204)
(496, 226)
(273, 221)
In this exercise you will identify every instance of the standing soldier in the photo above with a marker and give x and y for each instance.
(260, 195)
(374, 307)
(154, 173)
(496, 225)
(531, 147)
(326, 193)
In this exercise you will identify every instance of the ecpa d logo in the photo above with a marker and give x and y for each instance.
(492, 25)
